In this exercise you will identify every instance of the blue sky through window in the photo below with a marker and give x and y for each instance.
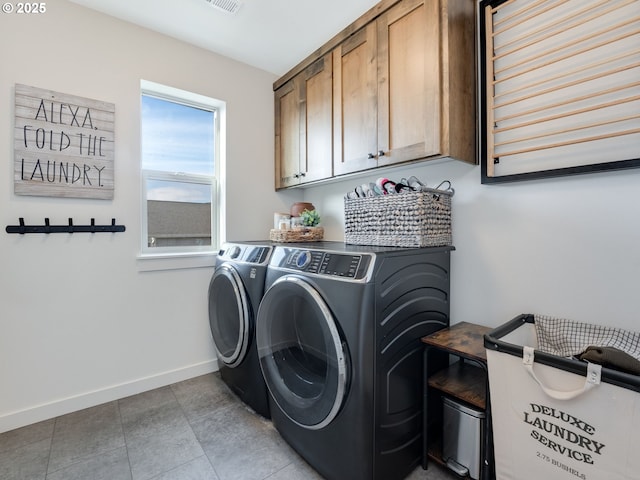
(179, 139)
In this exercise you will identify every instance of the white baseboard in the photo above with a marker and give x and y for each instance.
(53, 409)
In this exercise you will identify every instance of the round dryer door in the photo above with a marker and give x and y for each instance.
(229, 315)
(301, 353)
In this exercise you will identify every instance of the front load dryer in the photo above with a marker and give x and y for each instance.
(338, 333)
(235, 291)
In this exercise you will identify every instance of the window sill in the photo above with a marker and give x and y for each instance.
(151, 262)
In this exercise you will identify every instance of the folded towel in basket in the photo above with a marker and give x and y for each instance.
(568, 338)
(611, 357)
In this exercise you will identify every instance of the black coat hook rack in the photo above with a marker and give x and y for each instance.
(70, 228)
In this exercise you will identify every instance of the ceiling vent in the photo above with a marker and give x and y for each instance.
(229, 6)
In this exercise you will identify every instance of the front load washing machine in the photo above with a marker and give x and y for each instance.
(338, 334)
(235, 291)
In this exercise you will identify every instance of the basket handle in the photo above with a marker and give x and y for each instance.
(449, 187)
(592, 379)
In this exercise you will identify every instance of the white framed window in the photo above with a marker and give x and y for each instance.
(182, 159)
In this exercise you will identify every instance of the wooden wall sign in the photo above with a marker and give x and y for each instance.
(63, 145)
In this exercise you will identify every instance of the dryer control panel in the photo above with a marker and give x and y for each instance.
(319, 262)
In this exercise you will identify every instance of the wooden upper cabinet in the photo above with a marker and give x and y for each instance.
(426, 81)
(317, 113)
(287, 135)
(403, 88)
(409, 82)
(355, 102)
(303, 135)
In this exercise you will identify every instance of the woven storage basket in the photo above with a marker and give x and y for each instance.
(298, 234)
(408, 219)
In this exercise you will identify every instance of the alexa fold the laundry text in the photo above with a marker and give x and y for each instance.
(64, 145)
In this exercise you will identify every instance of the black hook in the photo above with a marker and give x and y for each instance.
(21, 228)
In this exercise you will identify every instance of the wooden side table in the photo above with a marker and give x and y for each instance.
(465, 380)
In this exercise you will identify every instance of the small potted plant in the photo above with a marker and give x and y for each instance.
(309, 218)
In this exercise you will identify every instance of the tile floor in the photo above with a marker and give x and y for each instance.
(192, 430)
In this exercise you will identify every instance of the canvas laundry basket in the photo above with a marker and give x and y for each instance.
(558, 418)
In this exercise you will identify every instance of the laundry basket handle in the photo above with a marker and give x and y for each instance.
(592, 379)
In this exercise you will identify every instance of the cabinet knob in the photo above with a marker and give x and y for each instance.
(302, 174)
(295, 175)
(370, 155)
(381, 153)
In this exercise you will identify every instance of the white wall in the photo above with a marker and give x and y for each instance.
(563, 247)
(79, 323)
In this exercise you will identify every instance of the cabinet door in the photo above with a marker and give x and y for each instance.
(316, 156)
(409, 82)
(355, 102)
(287, 135)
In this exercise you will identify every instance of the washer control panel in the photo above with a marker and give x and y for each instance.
(245, 253)
(343, 265)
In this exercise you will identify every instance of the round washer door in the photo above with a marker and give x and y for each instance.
(229, 315)
(302, 357)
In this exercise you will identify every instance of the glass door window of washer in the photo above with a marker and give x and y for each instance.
(229, 315)
(301, 353)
